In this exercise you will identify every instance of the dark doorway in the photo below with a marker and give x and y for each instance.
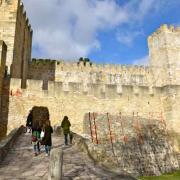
(40, 115)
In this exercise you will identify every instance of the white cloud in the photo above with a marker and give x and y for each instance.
(142, 61)
(146, 6)
(68, 28)
(128, 37)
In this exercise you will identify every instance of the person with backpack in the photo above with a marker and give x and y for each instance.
(47, 139)
(36, 130)
(66, 130)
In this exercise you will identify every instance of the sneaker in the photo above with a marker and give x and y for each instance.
(46, 154)
(65, 145)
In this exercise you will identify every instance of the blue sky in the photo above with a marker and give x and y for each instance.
(106, 31)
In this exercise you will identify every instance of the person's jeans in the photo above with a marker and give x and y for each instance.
(36, 148)
(66, 139)
(47, 149)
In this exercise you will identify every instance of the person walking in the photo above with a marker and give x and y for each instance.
(47, 139)
(36, 130)
(29, 122)
(66, 129)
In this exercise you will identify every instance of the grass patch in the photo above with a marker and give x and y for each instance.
(171, 176)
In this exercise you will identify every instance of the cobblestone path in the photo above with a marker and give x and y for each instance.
(20, 163)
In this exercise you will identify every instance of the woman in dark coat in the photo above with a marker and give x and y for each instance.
(47, 140)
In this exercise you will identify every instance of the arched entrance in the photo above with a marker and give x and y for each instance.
(39, 114)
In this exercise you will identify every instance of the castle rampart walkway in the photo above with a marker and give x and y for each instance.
(20, 163)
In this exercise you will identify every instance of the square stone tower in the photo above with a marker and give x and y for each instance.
(164, 51)
(17, 34)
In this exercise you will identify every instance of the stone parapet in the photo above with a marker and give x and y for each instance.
(7, 143)
(100, 90)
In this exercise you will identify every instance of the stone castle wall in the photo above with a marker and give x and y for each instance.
(75, 99)
(73, 89)
(41, 70)
(17, 34)
(60, 71)
(137, 145)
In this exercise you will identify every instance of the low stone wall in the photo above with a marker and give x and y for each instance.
(140, 148)
(99, 156)
(8, 142)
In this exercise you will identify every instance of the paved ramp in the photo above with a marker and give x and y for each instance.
(20, 163)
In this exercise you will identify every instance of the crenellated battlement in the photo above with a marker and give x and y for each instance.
(161, 43)
(165, 29)
(42, 61)
(61, 71)
(61, 65)
(24, 15)
(165, 37)
(98, 90)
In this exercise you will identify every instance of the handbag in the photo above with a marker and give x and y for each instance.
(34, 138)
(42, 134)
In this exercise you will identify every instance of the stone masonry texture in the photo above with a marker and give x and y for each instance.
(136, 145)
(74, 89)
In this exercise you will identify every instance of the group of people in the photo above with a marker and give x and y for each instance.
(41, 134)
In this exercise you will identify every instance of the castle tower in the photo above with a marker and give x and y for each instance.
(164, 51)
(17, 34)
